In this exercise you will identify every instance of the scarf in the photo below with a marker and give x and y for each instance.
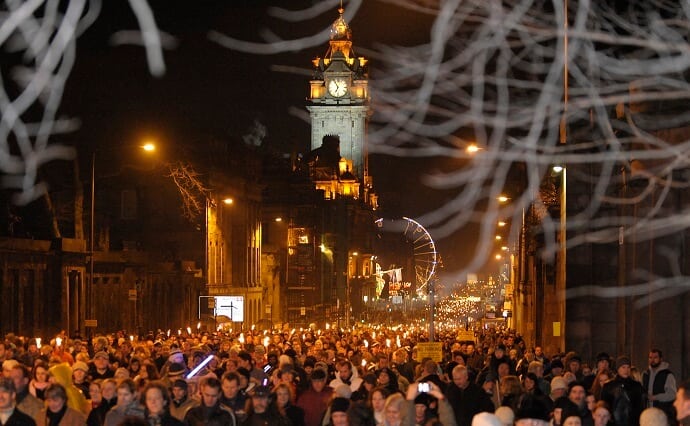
(54, 418)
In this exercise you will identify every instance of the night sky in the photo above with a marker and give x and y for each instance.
(209, 91)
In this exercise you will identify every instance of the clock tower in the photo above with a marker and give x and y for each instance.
(338, 101)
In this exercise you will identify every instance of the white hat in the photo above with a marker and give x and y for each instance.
(485, 419)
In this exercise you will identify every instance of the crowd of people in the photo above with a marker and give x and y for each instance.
(364, 376)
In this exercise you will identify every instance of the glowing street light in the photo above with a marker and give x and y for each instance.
(148, 147)
(502, 199)
(228, 200)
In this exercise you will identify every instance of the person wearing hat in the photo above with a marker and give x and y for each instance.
(80, 373)
(175, 371)
(263, 410)
(180, 401)
(314, 401)
(100, 367)
(624, 395)
(338, 408)
(559, 387)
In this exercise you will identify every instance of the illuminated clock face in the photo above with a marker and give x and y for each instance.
(337, 87)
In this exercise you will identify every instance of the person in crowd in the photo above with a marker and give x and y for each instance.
(62, 374)
(599, 381)
(134, 366)
(510, 391)
(96, 398)
(578, 396)
(346, 374)
(233, 396)
(181, 402)
(368, 384)
(314, 401)
(601, 414)
(108, 400)
(245, 360)
(100, 366)
(563, 408)
(80, 373)
(377, 401)
(395, 411)
(652, 416)
(466, 398)
(210, 412)
(338, 409)
(624, 395)
(263, 410)
(387, 378)
(559, 388)
(156, 401)
(56, 412)
(39, 381)
(25, 402)
(147, 373)
(285, 399)
(659, 384)
(432, 403)
(127, 404)
(10, 415)
(682, 404)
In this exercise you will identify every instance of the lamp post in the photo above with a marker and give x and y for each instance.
(562, 252)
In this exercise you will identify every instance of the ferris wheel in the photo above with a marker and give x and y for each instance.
(425, 255)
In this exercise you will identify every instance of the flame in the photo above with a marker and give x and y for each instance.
(38, 342)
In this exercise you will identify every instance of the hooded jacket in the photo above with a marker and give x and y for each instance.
(62, 373)
(354, 383)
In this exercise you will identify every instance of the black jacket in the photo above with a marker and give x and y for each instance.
(468, 402)
(625, 396)
(218, 415)
(18, 418)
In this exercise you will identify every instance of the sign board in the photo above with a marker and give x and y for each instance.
(230, 306)
(397, 300)
(509, 288)
(433, 350)
(132, 294)
(90, 323)
(466, 336)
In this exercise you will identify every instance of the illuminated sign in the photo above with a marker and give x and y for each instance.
(231, 307)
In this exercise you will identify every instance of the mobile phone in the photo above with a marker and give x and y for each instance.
(423, 388)
(264, 382)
